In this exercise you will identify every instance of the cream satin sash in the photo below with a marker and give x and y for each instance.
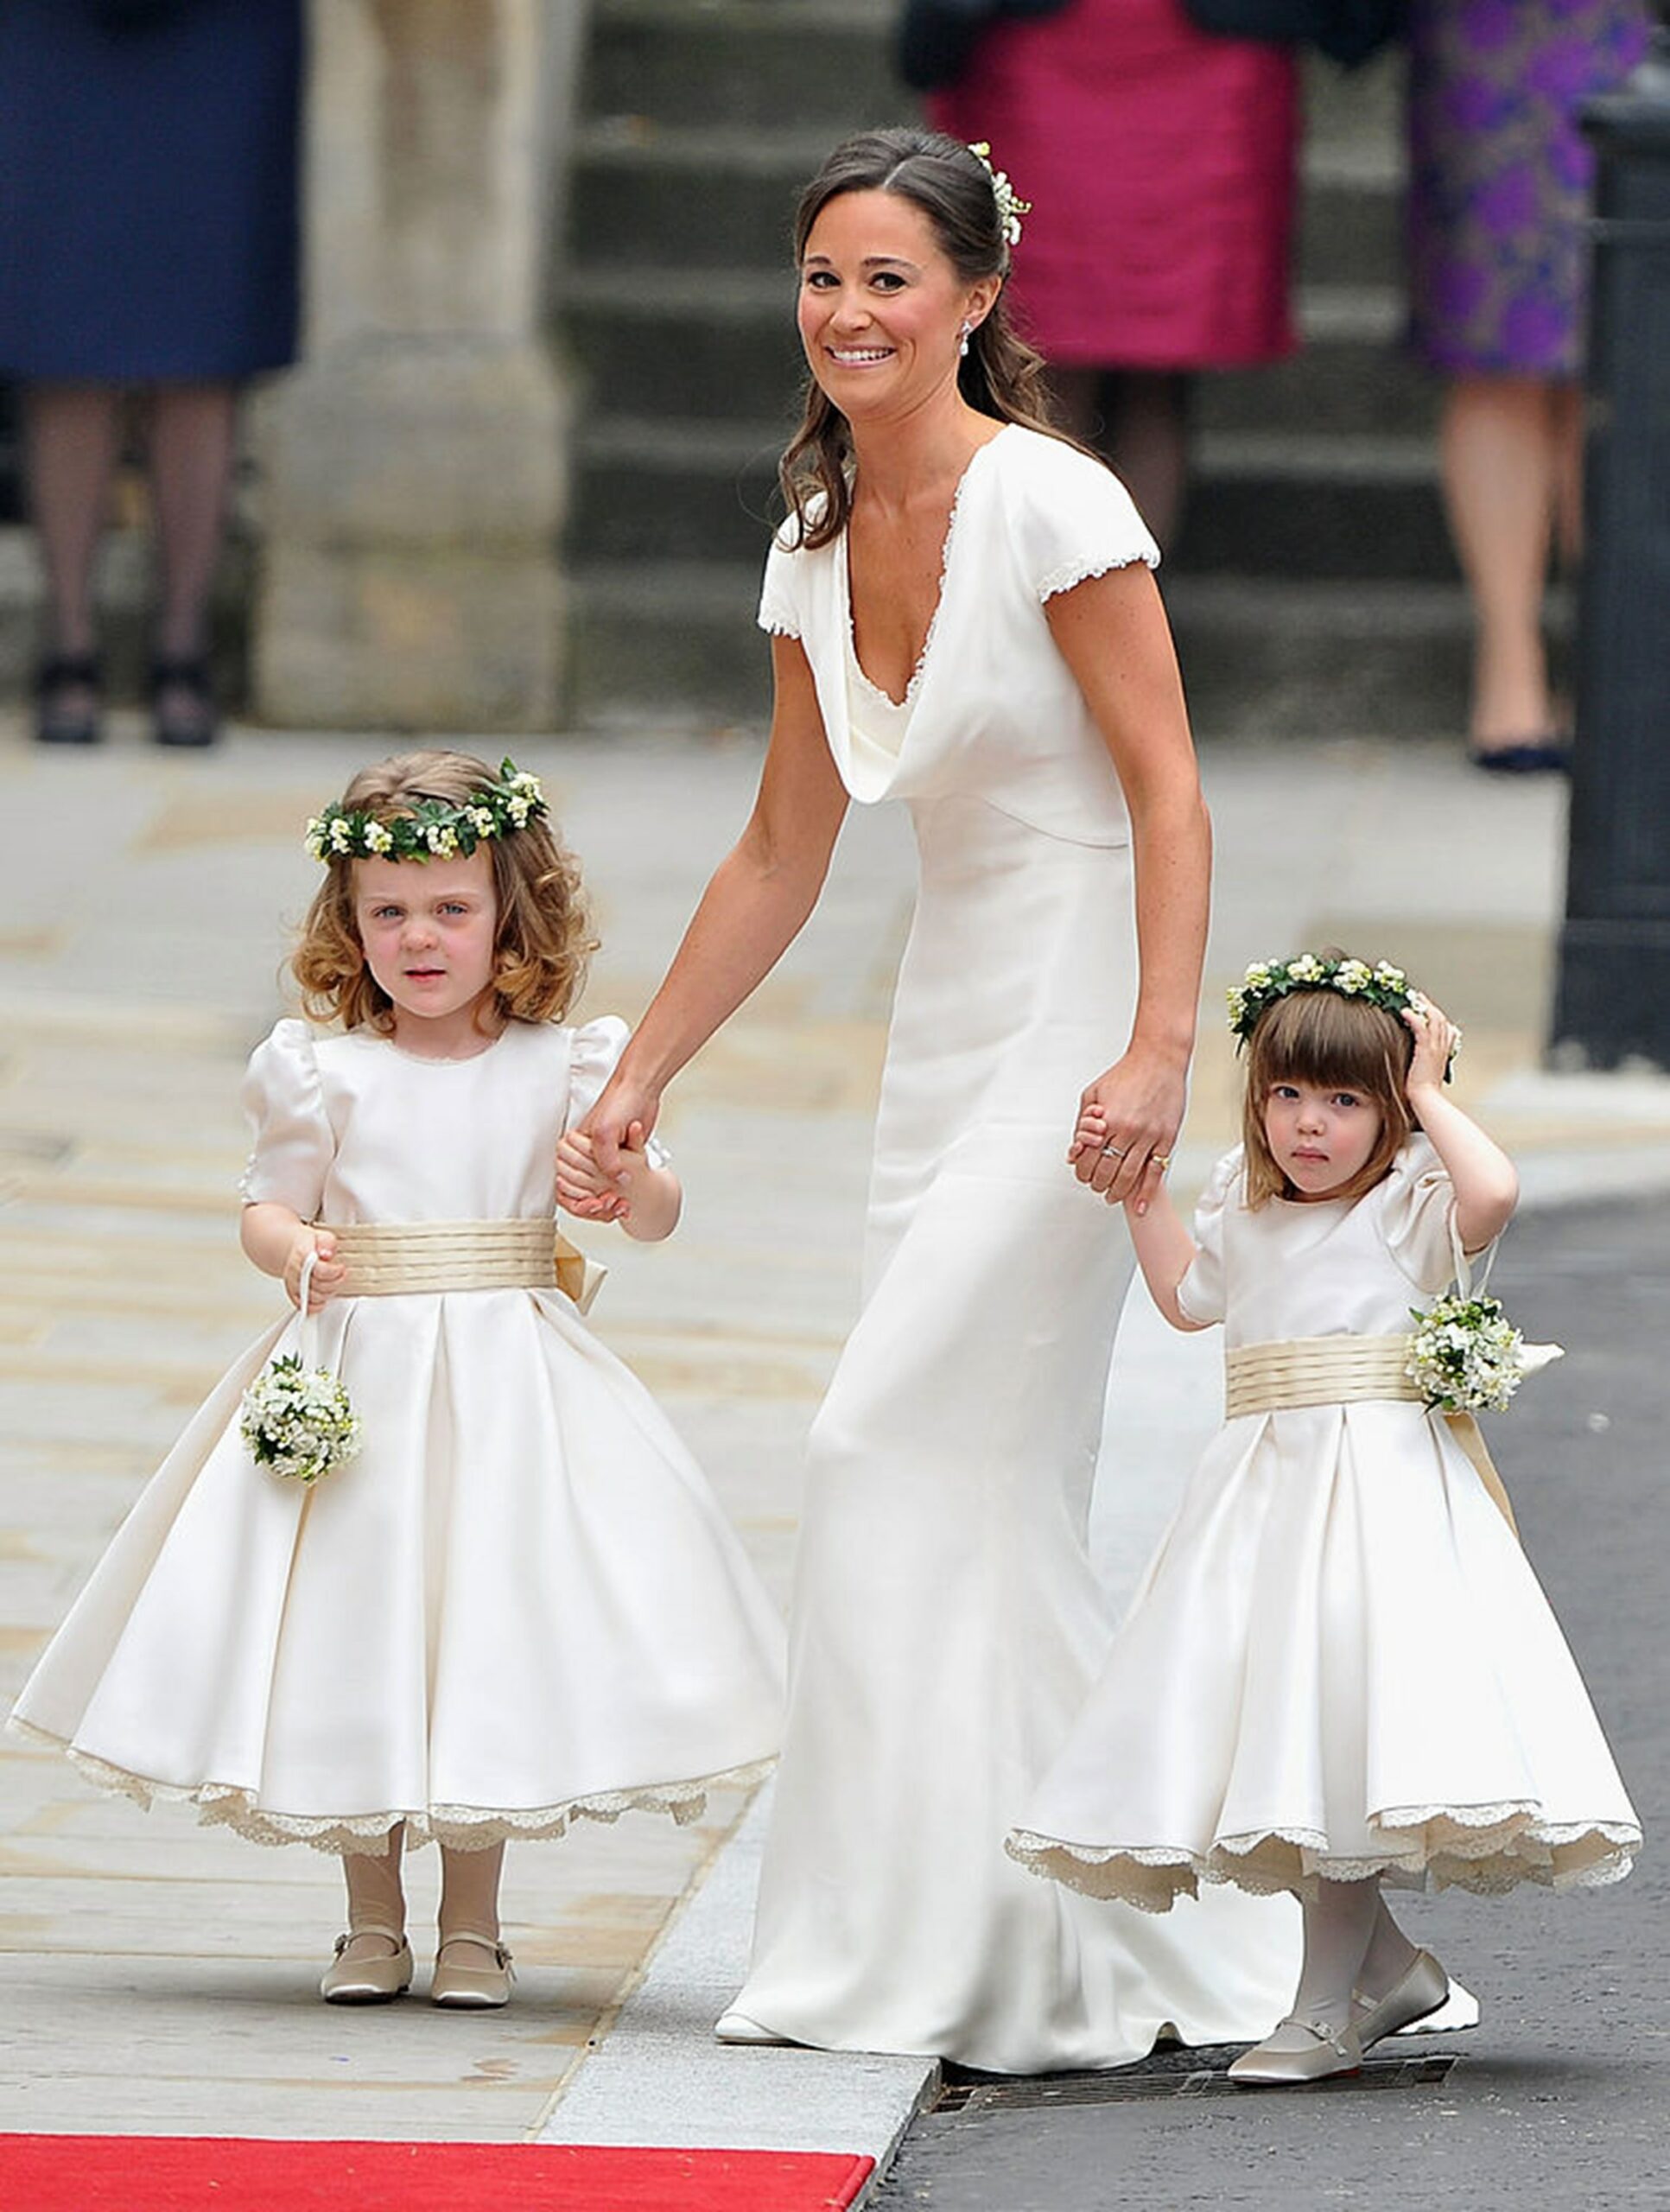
(395, 1259)
(1276, 1378)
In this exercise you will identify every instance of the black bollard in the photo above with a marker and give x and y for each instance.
(1612, 999)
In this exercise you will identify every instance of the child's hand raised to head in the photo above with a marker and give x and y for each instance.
(1436, 1038)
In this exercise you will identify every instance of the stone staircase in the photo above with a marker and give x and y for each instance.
(1313, 590)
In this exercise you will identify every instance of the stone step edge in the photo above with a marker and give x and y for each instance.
(617, 141)
(646, 292)
(714, 589)
(1355, 458)
(866, 18)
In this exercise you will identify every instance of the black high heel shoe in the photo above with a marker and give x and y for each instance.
(198, 726)
(54, 722)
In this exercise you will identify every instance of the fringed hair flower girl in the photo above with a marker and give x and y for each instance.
(518, 1602)
(1268, 1715)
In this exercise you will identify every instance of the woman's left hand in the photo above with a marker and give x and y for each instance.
(1128, 1120)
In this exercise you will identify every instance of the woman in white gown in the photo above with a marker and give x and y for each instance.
(962, 617)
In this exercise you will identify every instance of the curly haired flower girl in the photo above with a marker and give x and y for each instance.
(517, 1603)
(1266, 1717)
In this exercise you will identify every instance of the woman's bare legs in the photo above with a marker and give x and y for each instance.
(1506, 451)
(193, 447)
(70, 435)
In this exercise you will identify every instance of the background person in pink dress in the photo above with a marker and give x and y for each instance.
(1161, 164)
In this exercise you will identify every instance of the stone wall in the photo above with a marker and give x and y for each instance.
(414, 464)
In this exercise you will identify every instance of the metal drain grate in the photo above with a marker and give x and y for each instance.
(973, 2095)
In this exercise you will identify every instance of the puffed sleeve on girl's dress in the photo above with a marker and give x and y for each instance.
(1416, 1202)
(1072, 520)
(593, 1058)
(294, 1141)
(1202, 1295)
(778, 612)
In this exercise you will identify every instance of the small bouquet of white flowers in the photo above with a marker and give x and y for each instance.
(297, 1421)
(296, 1416)
(1466, 1355)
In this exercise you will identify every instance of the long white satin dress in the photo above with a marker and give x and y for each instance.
(1266, 1717)
(946, 1624)
(520, 1603)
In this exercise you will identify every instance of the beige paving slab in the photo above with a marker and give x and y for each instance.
(158, 1975)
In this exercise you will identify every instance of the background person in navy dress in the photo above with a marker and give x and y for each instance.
(148, 207)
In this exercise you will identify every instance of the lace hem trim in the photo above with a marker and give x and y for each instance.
(776, 625)
(461, 1828)
(1487, 1849)
(1082, 568)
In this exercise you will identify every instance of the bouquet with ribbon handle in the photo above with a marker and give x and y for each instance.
(1466, 1355)
(296, 1416)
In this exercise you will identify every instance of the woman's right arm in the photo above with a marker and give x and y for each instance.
(753, 908)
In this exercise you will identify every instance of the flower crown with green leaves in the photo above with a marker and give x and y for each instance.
(1266, 981)
(429, 828)
(1010, 206)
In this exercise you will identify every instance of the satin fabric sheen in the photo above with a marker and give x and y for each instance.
(520, 1603)
(1276, 1703)
(946, 1626)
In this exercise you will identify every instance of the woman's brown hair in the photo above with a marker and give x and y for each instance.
(1337, 1043)
(1000, 375)
(541, 940)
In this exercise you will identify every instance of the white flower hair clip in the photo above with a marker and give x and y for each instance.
(1010, 206)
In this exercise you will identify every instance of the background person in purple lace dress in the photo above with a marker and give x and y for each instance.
(1500, 177)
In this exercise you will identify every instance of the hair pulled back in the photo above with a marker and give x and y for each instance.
(1336, 1043)
(1000, 375)
(543, 939)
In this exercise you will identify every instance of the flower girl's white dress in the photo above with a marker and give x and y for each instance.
(519, 1603)
(1278, 1697)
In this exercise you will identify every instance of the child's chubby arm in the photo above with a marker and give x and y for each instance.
(278, 1241)
(1163, 1248)
(1486, 1183)
(648, 1198)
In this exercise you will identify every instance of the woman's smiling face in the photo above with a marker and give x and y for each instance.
(881, 308)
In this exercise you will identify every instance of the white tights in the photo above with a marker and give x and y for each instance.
(1351, 1943)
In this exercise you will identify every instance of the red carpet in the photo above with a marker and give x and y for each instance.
(206, 2173)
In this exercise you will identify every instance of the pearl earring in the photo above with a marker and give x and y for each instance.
(964, 335)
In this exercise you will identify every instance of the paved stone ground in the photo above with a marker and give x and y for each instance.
(1561, 2097)
(160, 1977)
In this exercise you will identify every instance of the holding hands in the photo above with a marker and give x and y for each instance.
(642, 1197)
(1127, 1122)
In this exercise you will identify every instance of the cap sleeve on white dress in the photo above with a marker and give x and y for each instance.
(1417, 1201)
(778, 610)
(1202, 1295)
(294, 1141)
(1073, 519)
